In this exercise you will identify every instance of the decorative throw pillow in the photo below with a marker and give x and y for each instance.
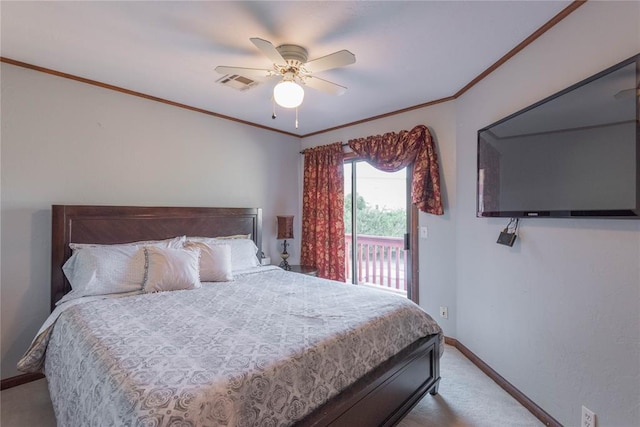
(215, 261)
(171, 269)
(243, 251)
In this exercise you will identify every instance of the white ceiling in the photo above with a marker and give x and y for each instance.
(407, 53)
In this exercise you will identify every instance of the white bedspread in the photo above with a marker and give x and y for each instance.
(263, 350)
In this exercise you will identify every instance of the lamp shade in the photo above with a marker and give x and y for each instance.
(285, 227)
(288, 94)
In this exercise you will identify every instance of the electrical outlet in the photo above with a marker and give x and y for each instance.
(588, 418)
(444, 312)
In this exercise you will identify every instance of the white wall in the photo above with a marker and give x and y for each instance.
(558, 315)
(65, 142)
(437, 263)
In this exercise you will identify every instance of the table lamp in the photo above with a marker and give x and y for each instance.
(285, 231)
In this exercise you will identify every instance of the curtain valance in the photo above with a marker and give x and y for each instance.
(393, 151)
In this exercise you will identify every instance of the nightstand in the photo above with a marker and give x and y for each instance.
(304, 269)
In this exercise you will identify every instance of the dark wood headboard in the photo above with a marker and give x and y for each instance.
(124, 224)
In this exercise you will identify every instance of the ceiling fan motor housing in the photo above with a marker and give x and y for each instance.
(294, 55)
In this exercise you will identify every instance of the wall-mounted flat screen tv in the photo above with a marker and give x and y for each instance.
(573, 154)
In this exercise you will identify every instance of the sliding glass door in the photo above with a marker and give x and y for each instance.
(376, 228)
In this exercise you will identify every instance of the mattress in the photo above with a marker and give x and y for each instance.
(265, 349)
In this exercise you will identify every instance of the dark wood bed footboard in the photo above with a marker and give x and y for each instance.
(384, 396)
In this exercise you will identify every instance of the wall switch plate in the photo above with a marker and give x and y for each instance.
(424, 232)
(444, 312)
(588, 418)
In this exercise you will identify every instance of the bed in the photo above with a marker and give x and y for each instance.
(165, 386)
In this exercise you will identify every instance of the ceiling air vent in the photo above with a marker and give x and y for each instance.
(237, 82)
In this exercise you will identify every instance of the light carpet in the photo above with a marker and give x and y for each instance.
(467, 398)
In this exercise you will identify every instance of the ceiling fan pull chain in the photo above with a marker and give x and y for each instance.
(296, 117)
(273, 114)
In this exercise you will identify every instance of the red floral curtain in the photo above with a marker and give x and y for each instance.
(393, 151)
(323, 210)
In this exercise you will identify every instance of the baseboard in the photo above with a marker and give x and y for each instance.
(531, 406)
(19, 380)
(450, 341)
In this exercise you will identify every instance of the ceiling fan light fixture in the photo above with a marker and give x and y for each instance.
(288, 94)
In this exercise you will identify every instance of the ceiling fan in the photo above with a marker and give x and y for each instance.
(290, 63)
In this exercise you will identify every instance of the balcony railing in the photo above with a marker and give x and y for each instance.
(380, 262)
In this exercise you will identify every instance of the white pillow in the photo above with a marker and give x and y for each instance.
(171, 269)
(175, 242)
(215, 261)
(243, 251)
(107, 269)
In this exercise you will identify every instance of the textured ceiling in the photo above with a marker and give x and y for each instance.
(407, 53)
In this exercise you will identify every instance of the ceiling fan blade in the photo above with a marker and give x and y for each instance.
(324, 85)
(333, 60)
(247, 72)
(269, 51)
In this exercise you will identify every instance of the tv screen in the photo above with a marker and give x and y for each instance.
(573, 154)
